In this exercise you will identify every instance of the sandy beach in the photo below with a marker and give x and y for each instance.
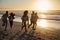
(39, 34)
(44, 15)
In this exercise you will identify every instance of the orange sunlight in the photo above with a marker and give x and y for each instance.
(43, 6)
(42, 22)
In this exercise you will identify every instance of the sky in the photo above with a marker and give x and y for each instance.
(27, 4)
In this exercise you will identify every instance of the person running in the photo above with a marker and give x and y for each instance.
(25, 19)
(4, 20)
(35, 21)
(31, 19)
(11, 18)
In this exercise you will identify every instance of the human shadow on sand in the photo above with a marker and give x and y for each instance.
(29, 36)
(3, 34)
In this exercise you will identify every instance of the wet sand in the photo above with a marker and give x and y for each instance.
(39, 34)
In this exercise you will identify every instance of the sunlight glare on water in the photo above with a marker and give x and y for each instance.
(43, 16)
(42, 23)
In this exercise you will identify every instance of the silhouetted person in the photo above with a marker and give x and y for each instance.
(35, 21)
(25, 19)
(31, 19)
(4, 20)
(11, 17)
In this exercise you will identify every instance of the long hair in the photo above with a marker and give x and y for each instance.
(25, 12)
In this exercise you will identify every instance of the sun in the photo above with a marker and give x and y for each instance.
(43, 5)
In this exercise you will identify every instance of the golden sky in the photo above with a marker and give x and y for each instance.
(30, 4)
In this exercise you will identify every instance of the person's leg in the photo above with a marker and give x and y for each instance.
(30, 25)
(34, 23)
(22, 25)
(11, 24)
(5, 25)
(25, 26)
(33, 26)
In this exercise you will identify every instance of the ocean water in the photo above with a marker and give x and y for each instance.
(44, 21)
